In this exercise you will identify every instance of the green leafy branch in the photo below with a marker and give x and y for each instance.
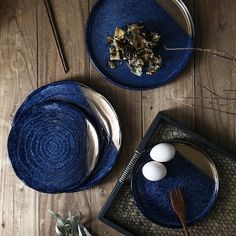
(71, 226)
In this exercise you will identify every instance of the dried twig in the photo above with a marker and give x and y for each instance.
(225, 55)
(210, 91)
(215, 95)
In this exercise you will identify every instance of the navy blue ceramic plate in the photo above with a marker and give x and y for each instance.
(191, 170)
(170, 19)
(49, 147)
(99, 111)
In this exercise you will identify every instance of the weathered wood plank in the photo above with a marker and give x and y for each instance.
(70, 18)
(18, 77)
(215, 24)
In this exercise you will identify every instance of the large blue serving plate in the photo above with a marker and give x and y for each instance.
(170, 19)
(48, 147)
(199, 186)
(96, 108)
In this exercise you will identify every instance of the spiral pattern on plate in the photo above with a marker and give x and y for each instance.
(96, 108)
(48, 147)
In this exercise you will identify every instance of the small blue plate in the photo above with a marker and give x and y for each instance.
(191, 170)
(48, 147)
(170, 19)
(96, 108)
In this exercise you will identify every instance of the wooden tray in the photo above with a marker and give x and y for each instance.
(120, 212)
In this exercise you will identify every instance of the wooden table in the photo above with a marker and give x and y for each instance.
(202, 98)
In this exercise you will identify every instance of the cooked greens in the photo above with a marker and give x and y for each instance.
(136, 46)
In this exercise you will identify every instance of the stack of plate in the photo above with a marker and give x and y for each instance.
(65, 137)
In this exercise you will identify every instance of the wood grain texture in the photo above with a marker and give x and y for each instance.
(18, 77)
(29, 59)
(70, 17)
(216, 28)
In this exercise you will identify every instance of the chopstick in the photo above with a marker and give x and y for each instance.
(56, 36)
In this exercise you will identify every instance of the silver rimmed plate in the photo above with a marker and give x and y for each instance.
(171, 19)
(96, 108)
(193, 171)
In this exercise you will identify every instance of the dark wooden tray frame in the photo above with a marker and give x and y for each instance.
(141, 147)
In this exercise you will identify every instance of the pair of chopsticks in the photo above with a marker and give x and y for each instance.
(56, 36)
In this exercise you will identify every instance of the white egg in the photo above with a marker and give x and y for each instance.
(162, 152)
(154, 171)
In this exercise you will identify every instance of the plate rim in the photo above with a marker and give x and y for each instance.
(181, 4)
(193, 221)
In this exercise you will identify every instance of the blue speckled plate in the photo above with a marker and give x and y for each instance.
(193, 171)
(96, 108)
(170, 19)
(49, 147)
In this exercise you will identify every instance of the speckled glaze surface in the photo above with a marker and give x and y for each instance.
(48, 147)
(153, 200)
(74, 93)
(108, 14)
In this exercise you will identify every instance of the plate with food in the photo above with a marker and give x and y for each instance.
(134, 43)
(169, 166)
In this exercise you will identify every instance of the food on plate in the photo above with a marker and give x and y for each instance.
(162, 152)
(154, 171)
(136, 46)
